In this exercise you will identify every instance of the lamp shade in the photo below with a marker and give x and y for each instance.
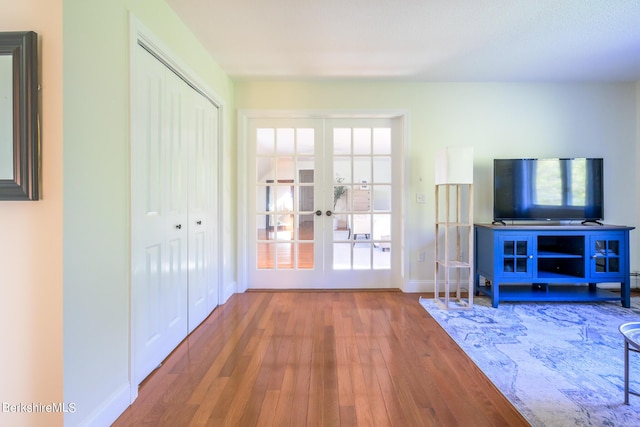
(454, 165)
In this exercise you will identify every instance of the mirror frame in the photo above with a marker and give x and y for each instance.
(25, 185)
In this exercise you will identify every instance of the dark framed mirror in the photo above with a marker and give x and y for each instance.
(19, 130)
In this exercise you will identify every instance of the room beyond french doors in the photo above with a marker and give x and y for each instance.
(322, 199)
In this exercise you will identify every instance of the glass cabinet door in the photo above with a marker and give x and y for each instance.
(605, 254)
(516, 255)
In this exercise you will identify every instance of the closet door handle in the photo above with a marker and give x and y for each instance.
(179, 226)
(199, 222)
(319, 212)
(329, 213)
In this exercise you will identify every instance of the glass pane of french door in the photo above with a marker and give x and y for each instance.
(322, 203)
(362, 197)
(360, 161)
(285, 164)
(283, 176)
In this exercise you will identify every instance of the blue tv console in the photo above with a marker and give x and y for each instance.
(551, 262)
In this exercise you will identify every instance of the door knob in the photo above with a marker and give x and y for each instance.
(318, 212)
(329, 213)
(179, 226)
(199, 222)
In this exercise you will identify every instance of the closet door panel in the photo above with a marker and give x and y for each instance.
(175, 149)
(152, 331)
(174, 300)
(159, 250)
(147, 219)
(200, 216)
(210, 133)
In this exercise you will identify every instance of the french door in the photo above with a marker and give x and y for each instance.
(322, 198)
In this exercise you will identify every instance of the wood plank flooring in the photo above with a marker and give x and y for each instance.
(362, 358)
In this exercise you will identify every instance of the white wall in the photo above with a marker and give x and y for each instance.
(31, 242)
(96, 192)
(498, 120)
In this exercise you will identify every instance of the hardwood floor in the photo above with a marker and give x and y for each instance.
(322, 358)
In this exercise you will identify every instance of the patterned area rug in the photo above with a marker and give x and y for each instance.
(559, 364)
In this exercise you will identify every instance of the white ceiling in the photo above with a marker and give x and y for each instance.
(427, 40)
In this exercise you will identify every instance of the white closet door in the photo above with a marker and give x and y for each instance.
(174, 211)
(203, 289)
(210, 132)
(159, 228)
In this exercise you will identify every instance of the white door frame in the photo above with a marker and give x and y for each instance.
(141, 35)
(245, 116)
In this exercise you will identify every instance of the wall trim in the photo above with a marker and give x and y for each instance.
(109, 411)
(228, 290)
(420, 286)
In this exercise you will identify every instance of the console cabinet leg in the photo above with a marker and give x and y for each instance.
(626, 293)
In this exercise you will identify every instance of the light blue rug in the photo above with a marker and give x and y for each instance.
(559, 364)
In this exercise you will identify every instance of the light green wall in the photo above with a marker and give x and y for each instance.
(498, 120)
(96, 189)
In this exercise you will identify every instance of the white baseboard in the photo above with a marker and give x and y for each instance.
(106, 413)
(411, 286)
(228, 290)
(419, 286)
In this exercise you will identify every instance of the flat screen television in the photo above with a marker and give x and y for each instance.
(548, 189)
